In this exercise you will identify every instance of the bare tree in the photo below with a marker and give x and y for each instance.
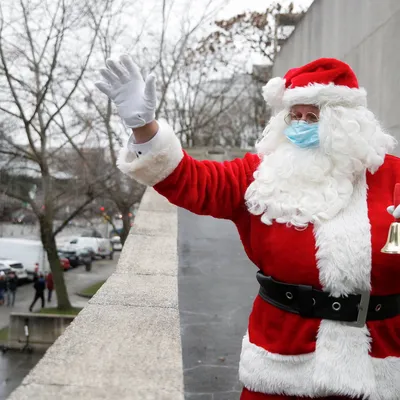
(193, 87)
(172, 53)
(167, 57)
(198, 101)
(41, 68)
(99, 120)
(218, 69)
(252, 32)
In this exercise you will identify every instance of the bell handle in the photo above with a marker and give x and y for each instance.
(396, 197)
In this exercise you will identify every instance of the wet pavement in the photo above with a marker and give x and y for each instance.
(217, 286)
(14, 366)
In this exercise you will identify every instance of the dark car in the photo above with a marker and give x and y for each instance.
(77, 257)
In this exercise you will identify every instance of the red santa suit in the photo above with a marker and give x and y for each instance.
(306, 217)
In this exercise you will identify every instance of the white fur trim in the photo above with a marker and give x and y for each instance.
(273, 92)
(344, 246)
(320, 95)
(342, 363)
(344, 263)
(165, 155)
(387, 378)
(264, 372)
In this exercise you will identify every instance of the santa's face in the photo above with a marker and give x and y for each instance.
(300, 185)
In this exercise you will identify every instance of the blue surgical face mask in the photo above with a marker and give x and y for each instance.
(302, 134)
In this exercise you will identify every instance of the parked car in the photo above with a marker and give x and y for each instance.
(77, 257)
(99, 247)
(116, 243)
(14, 266)
(30, 253)
(24, 219)
(65, 264)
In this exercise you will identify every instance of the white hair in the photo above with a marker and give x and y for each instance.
(300, 186)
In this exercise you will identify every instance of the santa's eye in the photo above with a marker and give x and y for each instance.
(311, 118)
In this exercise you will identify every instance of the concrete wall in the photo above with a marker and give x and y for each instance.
(126, 344)
(363, 33)
(44, 329)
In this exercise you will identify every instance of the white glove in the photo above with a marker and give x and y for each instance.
(124, 85)
(394, 212)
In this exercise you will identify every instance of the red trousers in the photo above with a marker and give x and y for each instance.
(247, 395)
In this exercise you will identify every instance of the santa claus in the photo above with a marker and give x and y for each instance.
(311, 211)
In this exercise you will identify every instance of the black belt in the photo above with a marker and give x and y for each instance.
(308, 302)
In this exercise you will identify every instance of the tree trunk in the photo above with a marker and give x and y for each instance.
(50, 246)
(126, 224)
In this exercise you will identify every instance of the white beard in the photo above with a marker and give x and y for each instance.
(297, 186)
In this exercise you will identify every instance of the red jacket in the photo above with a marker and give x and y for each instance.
(284, 352)
(49, 281)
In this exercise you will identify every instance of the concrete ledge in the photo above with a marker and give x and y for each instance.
(126, 343)
(139, 291)
(149, 255)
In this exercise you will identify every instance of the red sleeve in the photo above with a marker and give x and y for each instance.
(209, 187)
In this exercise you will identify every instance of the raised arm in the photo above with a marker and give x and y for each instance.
(154, 156)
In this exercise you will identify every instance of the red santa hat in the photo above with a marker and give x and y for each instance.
(323, 81)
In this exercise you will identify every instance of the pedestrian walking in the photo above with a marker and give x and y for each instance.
(12, 285)
(39, 286)
(313, 207)
(3, 286)
(49, 285)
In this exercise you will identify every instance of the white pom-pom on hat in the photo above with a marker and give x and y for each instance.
(273, 92)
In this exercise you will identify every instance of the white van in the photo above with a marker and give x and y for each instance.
(100, 247)
(30, 253)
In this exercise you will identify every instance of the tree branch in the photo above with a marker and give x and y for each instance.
(74, 214)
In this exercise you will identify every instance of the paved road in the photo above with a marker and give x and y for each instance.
(217, 285)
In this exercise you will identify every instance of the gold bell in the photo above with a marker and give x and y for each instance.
(392, 245)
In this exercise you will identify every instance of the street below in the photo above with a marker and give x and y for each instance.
(15, 365)
(217, 286)
(76, 280)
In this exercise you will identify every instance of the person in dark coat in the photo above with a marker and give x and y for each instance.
(40, 286)
(50, 286)
(3, 286)
(12, 284)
